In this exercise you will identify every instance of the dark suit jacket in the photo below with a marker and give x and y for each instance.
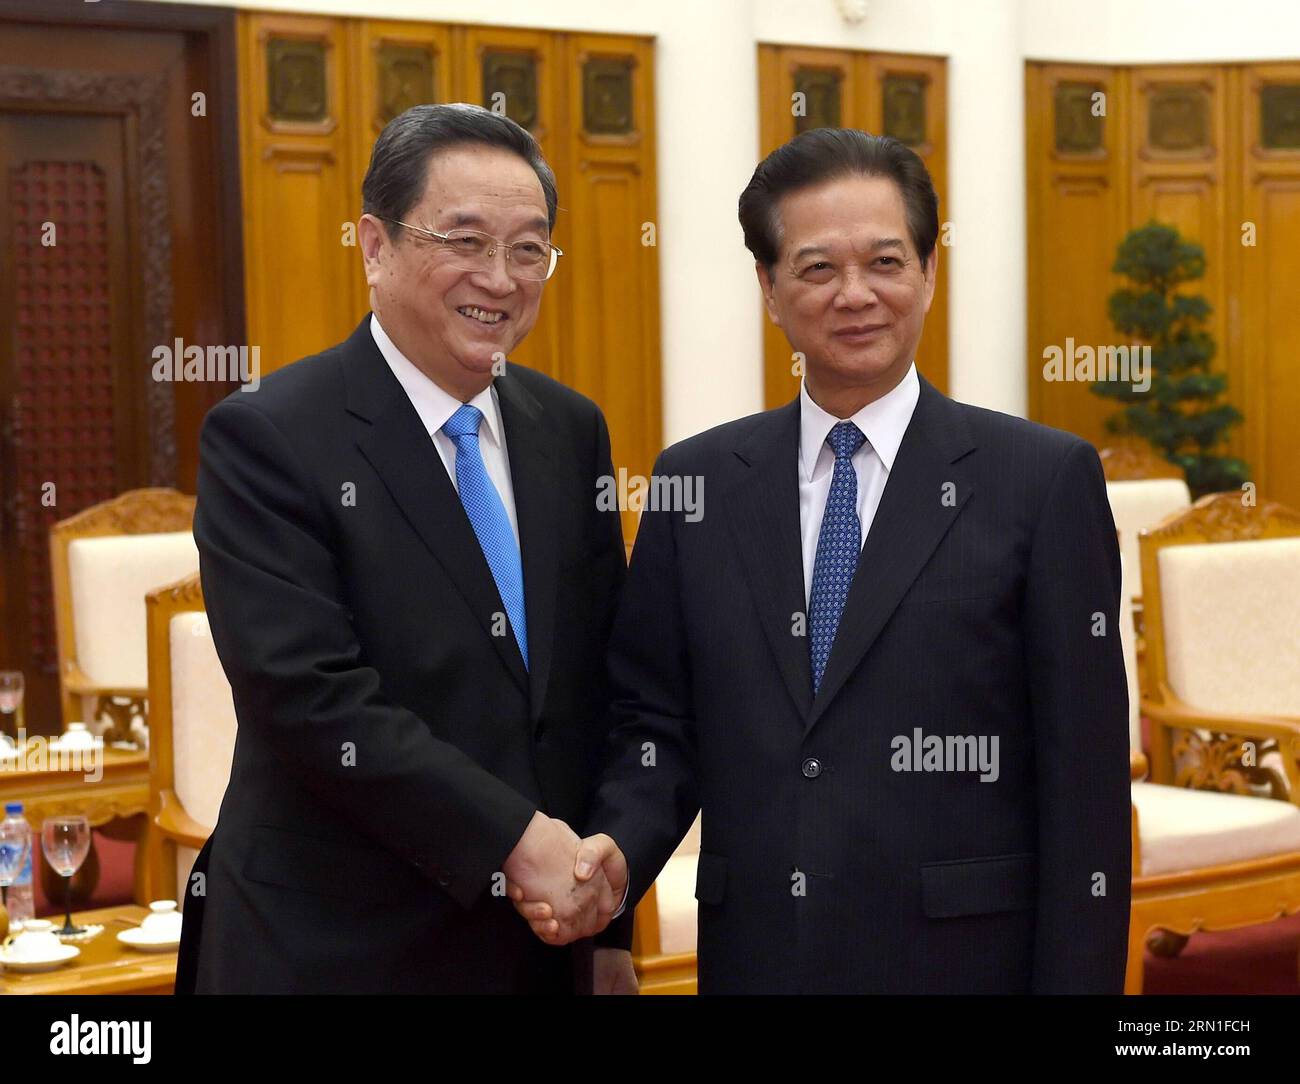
(390, 749)
(971, 613)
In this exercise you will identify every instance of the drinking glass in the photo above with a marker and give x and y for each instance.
(66, 842)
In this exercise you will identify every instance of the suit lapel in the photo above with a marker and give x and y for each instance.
(913, 516)
(764, 513)
(532, 467)
(403, 455)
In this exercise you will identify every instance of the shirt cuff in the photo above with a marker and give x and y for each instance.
(623, 906)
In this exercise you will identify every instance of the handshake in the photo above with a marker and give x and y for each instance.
(566, 888)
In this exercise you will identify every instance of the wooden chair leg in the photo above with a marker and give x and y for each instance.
(1166, 944)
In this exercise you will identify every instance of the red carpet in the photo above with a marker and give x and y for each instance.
(1253, 960)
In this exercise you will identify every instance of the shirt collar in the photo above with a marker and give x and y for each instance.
(431, 402)
(883, 422)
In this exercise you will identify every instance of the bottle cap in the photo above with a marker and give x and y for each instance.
(13, 807)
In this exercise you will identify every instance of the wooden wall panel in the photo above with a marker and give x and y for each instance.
(525, 67)
(1208, 149)
(589, 101)
(1077, 213)
(298, 185)
(392, 66)
(826, 78)
(906, 98)
(882, 93)
(1179, 165)
(611, 277)
(1268, 378)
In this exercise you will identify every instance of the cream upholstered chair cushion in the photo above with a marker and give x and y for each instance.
(203, 727)
(1232, 625)
(1184, 829)
(675, 895)
(1138, 504)
(109, 577)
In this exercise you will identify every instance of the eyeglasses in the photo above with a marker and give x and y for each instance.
(474, 251)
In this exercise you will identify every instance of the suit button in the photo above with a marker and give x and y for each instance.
(812, 768)
(444, 880)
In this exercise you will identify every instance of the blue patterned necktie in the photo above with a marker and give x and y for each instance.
(838, 544)
(487, 515)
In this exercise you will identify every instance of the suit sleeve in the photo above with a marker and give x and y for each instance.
(649, 794)
(1079, 705)
(280, 621)
(613, 562)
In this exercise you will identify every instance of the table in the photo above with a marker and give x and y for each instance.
(51, 785)
(105, 966)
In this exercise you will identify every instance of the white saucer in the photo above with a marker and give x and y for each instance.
(57, 745)
(138, 938)
(62, 956)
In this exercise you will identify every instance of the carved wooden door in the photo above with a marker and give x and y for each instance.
(118, 234)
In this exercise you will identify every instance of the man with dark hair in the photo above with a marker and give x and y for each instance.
(886, 665)
(410, 587)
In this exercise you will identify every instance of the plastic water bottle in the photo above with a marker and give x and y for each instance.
(21, 904)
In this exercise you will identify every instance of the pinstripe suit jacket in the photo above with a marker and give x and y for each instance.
(845, 846)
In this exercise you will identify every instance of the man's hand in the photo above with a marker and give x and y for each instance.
(541, 873)
(597, 860)
(613, 972)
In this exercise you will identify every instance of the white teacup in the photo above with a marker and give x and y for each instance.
(37, 940)
(163, 920)
(77, 736)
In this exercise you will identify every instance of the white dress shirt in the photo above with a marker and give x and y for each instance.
(435, 406)
(883, 423)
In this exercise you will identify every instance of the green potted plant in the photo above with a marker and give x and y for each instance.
(1181, 414)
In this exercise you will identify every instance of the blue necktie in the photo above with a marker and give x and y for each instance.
(487, 515)
(838, 544)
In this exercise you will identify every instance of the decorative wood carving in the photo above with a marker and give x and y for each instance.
(1077, 130)
(138, 511)
(186, 594)
(404, 77)
(296, 83)
(514, 75)
(63, 355)
(119, 712)
(1222, 517)
(821, 94)
(1213, 761)
(1178, 119)
(904, 108)
(1279, 116)
(607, 95)
(98, 805)
(1134, 460)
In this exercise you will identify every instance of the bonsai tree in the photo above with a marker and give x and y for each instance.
(1181, 415)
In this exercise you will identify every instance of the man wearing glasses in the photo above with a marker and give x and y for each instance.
(410, 588)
